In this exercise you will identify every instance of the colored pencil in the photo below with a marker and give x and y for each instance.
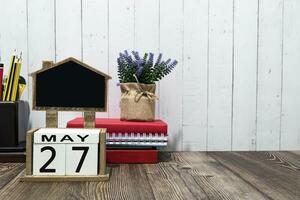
(15, 82)
(8, 86)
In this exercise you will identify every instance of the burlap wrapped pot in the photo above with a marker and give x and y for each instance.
(137, 102)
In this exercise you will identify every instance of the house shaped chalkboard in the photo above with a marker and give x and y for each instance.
(69, 85)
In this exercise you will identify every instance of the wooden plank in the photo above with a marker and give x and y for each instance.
(14, 35)
(68, 40)
(182, 175)
(166, 183)
(146, 32)
(29, 146)
(104, 177)
(126, 182)
(171, 38)
(41, 45)
(265, 171)
(269, 74)
(121, 37)
(102, 152)
(95, 36)
(16, 189)
(245, 62)
(220, 75)
(89, 119)
(290, 127)
(8, 171)
(201, 171)
(195, 62)
(289, 159)
(296, 152)
(123, 185)
(51, 118)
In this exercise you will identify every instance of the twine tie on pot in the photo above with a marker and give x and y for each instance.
(143, 92)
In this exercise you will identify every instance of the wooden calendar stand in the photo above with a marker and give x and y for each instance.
(103, 172)
(68, 85)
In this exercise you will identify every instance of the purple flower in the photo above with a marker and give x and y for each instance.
(136, 55)
(173, 64)
(126, 53)
(150, 61)
(167, 62)
(140, 67)
(158, 59)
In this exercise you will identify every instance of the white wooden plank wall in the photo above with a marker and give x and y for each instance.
(244, 75)
(220, 66)
(41, 19)
(236, 86)
(269, 74)
(290, 128)
(195, 75)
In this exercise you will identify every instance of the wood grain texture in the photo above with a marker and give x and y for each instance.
(89, 119)
(268, 172)
(51, 118)
(102, 152)
(9, 171)
(180, 175)
(29, 152)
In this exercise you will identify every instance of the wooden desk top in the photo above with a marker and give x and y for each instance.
(179, 175)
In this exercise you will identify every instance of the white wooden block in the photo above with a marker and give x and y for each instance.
(81, 159)
(49, 159)
(67, 136)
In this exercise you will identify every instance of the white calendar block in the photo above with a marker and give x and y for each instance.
(54, 154)
(81, 159)
(66, 136)
(49, 159)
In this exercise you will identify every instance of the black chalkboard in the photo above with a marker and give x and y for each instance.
(70, 85)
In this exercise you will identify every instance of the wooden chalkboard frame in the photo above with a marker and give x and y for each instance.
(48, 65)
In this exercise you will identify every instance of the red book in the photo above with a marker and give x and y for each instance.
(131, 156)
(118, 126)
(1, 78)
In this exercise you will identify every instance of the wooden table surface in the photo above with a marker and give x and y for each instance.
(179, 175)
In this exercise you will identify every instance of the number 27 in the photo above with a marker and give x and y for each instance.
(53, 154)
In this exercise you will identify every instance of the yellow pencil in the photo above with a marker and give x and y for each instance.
(16, 80)
(7, 89)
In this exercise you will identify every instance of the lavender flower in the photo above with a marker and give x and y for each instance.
(173, 64)
(136, 55)
(167, 62)
(158, 59)
(150, 61)
(143, 67)
(140, 67)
